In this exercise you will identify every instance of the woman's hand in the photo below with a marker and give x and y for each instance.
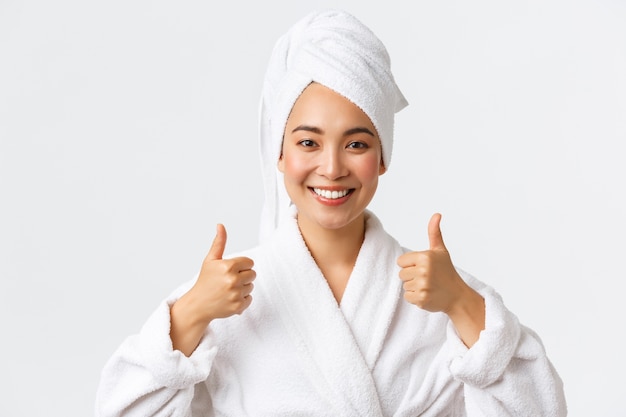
(432, 283)
(222, 289)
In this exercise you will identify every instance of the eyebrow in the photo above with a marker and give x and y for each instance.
(308, 129)
(319, 131)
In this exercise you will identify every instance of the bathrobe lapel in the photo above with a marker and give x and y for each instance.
(339, 346)
(374, 290)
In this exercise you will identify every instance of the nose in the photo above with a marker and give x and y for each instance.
(332, 164)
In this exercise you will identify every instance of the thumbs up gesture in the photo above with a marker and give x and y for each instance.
(224, 285)
(222, 289)
(430, 280)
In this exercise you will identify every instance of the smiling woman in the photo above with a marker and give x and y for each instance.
(331, 160)
(344, 321)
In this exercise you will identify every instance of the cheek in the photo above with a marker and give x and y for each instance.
(294, 167)
(370, 168)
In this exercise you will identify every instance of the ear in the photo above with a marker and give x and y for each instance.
(382, 169)
(281, 163)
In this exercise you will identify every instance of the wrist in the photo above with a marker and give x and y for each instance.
(186, 313)
(186, 326)
(468, 316)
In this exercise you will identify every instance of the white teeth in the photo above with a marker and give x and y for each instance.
(330, 194)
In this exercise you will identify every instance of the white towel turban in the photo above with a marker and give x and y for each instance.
(335, 49)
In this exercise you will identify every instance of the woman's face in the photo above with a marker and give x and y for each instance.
(331, 159)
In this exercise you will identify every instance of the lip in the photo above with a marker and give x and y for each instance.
(329, 201)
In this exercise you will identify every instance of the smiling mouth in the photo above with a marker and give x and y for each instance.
(332, 195)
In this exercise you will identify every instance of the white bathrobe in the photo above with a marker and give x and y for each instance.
(295, 352)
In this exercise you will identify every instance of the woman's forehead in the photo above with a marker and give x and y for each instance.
(320, 104)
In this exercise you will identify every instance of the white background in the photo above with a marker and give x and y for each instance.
(128, 130)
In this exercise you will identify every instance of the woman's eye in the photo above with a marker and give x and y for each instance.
(357, 145)
(306, 142)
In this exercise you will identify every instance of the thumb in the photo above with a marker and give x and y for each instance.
(434, 233)
(219, 243)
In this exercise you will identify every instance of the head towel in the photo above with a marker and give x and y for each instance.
(333, 48)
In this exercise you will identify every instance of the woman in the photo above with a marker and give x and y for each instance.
(344, 321)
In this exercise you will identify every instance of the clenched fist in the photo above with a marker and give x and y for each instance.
(432, 283)
(224, 285)
(223, 288)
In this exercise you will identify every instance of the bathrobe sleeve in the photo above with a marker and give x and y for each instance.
(146, 377)
(506, 372)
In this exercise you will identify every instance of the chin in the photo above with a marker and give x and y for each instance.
(336, 222)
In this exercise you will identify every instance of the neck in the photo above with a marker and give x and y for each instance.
(334, 247)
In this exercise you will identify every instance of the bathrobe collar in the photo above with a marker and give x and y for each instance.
(339, 344)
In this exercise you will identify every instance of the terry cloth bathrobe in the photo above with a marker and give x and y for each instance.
(295, 351)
